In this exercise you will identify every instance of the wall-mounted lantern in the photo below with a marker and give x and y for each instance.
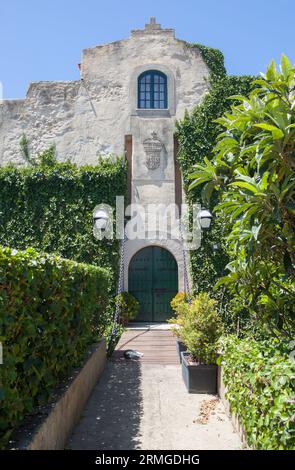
(205, 218)
(100, 219)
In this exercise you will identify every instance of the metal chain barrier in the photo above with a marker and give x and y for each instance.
(120, 288)
(121, 280)
(185, 270)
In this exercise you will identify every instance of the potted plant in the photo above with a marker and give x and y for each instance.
(200, 331)
(179, 304)
(129, 307)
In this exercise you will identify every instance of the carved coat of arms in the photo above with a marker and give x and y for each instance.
(153, 148)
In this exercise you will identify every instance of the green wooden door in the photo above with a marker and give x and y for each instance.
(153, 280)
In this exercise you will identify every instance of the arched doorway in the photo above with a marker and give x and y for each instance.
(153, 281)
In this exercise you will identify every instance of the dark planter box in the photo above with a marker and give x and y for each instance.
(199, 378)
(180, 347)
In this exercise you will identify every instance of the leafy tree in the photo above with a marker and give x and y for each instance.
(197, 136)
(253, 172)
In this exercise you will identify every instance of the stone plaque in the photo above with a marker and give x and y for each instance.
(153, 147)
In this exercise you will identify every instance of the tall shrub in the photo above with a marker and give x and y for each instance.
(253, 170)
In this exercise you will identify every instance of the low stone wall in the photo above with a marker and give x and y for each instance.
(54, 430)
(221, 389)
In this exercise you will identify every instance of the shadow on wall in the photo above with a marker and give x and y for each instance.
(111, 419)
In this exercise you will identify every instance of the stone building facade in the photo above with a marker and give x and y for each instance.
(129, 97)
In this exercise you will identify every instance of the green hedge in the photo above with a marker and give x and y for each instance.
(51, 309)
(49, 207)
(260, 378)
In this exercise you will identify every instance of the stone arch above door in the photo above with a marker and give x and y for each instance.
(174, 246)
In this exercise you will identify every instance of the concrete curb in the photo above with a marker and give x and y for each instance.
(55, 428)
(221, 390)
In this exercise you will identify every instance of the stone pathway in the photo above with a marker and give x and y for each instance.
(145, 405)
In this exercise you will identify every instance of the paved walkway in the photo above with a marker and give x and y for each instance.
(144, 405)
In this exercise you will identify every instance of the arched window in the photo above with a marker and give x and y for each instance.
(152, 90)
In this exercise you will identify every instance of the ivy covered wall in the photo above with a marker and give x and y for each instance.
(197, 134)
(49, 207)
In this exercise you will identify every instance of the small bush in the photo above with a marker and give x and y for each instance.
(201, 328)
(179, 304)
(260, 378)
(51, 309)
(128, 307)
(179, 298)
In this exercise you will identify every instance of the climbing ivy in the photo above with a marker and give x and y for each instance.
(197, 135)
(214, 59)
(49, 206)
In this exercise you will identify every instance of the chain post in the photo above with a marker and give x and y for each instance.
(120, 288)
(186, 279)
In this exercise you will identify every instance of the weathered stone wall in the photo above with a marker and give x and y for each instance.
(88, 118)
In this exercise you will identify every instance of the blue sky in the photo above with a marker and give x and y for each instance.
(43, 40)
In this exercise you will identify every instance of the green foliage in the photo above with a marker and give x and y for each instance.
(128, 307)
(178, 299)
(261, 390)
(179, 304)
(24, 147)
(200, 327)
(51, 309)
(197, 135)
(214, 60)
(198, 131)
(253, 170)
(49, 206)
(46, 158)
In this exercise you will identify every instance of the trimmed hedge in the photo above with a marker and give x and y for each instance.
(51, 309)
(49, 207)
(260, 378)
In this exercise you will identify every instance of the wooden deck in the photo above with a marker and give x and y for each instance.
(157, 346)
